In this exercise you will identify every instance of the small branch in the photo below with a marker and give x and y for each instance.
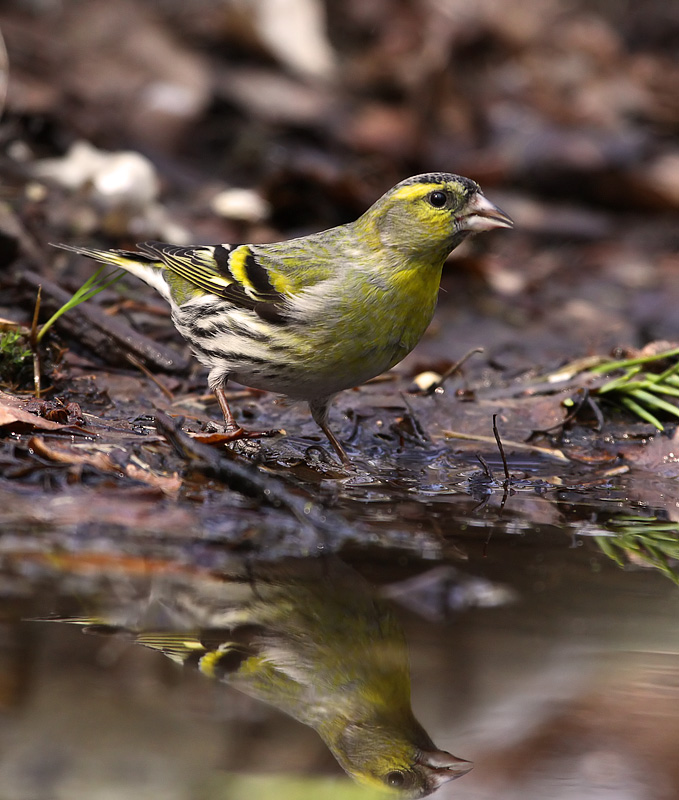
(420, 432)
(572, 414)
(96, 330)
(543, 451)
(451, 371)
(486, 467)
(35, 347)
(508, 479)
(247, 479)
(501, 449)
(137, 363)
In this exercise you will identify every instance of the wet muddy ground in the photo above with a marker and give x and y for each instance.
(535, 600)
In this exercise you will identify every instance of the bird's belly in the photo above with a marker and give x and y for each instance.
(315, 375)
(304, 361)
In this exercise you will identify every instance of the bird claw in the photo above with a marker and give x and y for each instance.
(242, 433)
(232, 435)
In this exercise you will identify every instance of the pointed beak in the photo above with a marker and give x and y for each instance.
(443, 767)
(482, 215)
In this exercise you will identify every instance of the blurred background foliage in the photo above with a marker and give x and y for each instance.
(345, 97)
(253, 120)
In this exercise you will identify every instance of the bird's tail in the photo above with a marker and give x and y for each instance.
(148, 269)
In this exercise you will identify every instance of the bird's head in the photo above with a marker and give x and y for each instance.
(400, 759)
(427, 216)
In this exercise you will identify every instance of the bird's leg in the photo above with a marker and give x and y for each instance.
(230, 424)
(232, 429)
(319, 411)
(335, 442)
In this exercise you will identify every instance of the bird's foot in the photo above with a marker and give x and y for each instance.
(232, 434)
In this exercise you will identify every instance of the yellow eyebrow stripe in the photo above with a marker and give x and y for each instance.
(415, 191)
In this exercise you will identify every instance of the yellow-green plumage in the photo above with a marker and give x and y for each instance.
(312, 316)
(309, 638)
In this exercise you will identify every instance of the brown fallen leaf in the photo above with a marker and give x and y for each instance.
(218, 439)
(67, 454)
(659, 454)
(13, 415)
(17, 414)
(168, 484)
(130, 509)
(56, 411)
(90, 456)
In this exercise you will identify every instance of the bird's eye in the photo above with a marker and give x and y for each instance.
(438, 199)
(395, 778)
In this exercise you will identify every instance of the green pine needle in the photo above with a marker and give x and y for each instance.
(643, 540)
(654, 402)
(611, 366)
(640, 390)
(641, 412)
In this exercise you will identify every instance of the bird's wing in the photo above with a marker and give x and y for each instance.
(231, 272)
(216, 653)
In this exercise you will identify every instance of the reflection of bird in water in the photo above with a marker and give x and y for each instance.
(311, 640)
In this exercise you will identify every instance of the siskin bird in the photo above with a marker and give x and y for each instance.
(312, 316)
(308, 637)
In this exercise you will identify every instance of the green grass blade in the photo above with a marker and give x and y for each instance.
(92, 286)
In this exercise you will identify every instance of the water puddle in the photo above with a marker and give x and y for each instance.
(536, 630)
